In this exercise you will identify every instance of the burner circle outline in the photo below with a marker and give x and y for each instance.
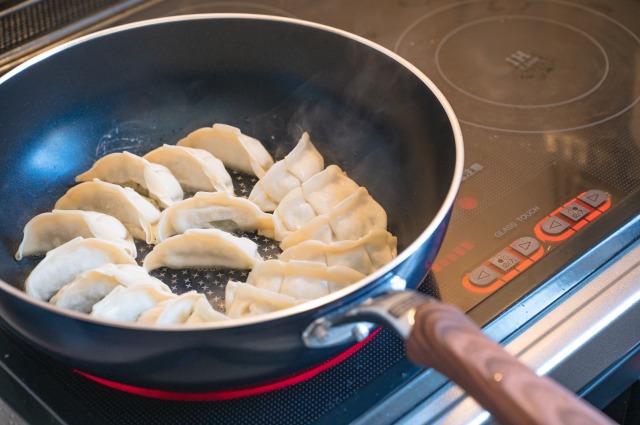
(511, 105)
(442, 9)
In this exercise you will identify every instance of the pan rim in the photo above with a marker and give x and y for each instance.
(385, 273)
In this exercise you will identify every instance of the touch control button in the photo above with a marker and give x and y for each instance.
(574, 211)
(594, 197)
(554, 225)
(504, 261)
(526, 245)
(482, 276)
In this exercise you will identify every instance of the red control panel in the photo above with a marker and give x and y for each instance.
(520, 254)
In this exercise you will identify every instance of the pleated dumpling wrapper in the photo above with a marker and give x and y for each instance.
(287, 174)
(236, 150)
(203, 312)
(366, 255)
(213, 210)
(90, 287)
(47, 231)
(147, 178)
(137, 214)
(314, 197)
(190, 307)
(245, 300)
(62, 264)
(204, 248)
(127, 303)
(302, 280)
(351, 219)
(196, 169)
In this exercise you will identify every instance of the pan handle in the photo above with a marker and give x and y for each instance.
(441, 336)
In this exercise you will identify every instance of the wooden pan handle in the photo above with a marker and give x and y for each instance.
(446, 339)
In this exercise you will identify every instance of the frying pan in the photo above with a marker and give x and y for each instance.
(368, 111)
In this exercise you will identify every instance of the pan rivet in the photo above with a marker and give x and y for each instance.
(360, 332)
(320, 332)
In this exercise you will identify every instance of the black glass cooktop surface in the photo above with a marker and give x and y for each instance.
(547, 96)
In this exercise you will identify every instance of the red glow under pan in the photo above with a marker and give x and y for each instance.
(232, 393)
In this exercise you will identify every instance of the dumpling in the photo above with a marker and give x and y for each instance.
(365, 255)
(47, 231)
(314, 197)
(180, 310)
(236, 150)
(196, 169)
(127, 169)
(203, 312)
(302, 280)
(290, 172)
(93, 285)
(62, 264)
(351, 219)
(218, 210)
(244, 300)
(205, 248)
(127, 303)
(136, 213)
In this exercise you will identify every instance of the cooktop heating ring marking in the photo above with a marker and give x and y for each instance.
(445, 8)
(533, 18)
(557, 130)
(233, 393)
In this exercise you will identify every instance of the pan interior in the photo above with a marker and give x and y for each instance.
(138, 88)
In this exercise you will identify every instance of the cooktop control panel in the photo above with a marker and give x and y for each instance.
(520, 254)
(573, 216)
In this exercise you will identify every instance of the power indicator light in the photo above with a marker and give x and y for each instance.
(468, 203)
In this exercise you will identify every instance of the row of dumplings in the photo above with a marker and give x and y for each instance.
(332, 233)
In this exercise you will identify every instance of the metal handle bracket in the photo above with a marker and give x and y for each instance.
(395, 309)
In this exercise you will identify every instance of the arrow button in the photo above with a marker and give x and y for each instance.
(525, 246)
(594, 197)
(554, 225)
(482, 276)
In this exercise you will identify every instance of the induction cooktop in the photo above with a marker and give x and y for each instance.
(547, 96)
